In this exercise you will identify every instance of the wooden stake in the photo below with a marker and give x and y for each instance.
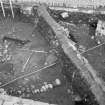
(2, 8)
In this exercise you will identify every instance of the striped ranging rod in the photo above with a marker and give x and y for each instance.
(10, 2)
(11, 6)
(2, 7)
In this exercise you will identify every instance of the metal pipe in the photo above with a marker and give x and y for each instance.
(2, 8)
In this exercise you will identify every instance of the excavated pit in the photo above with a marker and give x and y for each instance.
(20, 77)
(35, 56)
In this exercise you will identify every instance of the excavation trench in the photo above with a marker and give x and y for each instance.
(94, 83)
(32, 62)
(40, 52)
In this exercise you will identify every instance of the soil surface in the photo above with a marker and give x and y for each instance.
(13, 69)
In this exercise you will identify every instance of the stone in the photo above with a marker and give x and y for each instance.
(46, 86)
(41, 90)
(77, 98)
(92, 37)
(65, 15)
(19, 92)
(50, 86)
(37, 91)
(98, 42)
(57, 82)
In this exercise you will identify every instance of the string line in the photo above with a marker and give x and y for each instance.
(39, 70)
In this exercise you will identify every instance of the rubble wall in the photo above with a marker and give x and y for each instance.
(91, 83)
